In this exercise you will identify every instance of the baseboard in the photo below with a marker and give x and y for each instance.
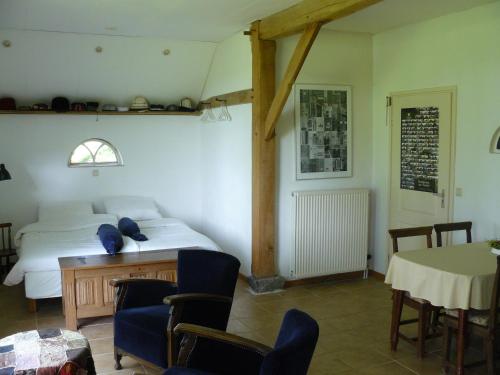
(376, 275)
(320, 279)
(243, 277)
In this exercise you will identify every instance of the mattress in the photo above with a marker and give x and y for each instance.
(41, 244)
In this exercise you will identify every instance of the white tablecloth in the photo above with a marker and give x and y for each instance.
(455, 277)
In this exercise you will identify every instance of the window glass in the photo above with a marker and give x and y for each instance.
(95, 152)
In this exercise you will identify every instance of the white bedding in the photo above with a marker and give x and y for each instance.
(41, 244)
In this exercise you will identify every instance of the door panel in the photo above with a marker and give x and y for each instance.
(421, 161)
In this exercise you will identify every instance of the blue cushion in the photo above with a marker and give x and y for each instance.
(186, 371)
(142, 331)
(111, 238)
(129, 228)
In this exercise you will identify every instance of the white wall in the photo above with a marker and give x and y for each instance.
(41, 65)
(336, 58)
(460, 50)
(227, 155)
(161, 155)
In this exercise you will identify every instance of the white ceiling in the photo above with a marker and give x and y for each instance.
(389, 14)
(201, 20)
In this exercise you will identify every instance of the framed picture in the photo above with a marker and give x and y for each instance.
(323, 129)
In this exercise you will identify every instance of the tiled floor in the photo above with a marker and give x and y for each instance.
(353, 316)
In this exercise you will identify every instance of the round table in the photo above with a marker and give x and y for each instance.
(46, 352)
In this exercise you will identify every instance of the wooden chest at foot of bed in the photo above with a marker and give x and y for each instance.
(85, 280)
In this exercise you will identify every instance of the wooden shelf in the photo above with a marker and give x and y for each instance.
(102, 113)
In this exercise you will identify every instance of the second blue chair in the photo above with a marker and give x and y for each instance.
(207, 351)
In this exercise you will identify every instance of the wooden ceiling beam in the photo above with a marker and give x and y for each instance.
(299, 56)
(296, 18)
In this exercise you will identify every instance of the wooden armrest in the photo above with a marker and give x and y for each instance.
(176, 299)
(120, 282)
(5, 225)
(221, 336)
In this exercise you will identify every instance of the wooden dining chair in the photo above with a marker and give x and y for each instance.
(6, 248)
(449, 227)
(424, 308)
(482, 323)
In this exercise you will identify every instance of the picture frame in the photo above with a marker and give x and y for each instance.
(323, 131)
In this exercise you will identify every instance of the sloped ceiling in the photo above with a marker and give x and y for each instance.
(199, 20)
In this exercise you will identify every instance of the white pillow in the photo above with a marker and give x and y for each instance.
(56, 210)
(136, 208)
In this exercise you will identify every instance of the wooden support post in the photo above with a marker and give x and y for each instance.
(263, 157)
(299, 56)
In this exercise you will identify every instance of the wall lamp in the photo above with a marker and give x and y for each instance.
(4, 173)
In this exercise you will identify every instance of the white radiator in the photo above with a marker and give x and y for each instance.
(331, 232)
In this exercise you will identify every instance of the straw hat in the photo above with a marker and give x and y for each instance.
(139, 103)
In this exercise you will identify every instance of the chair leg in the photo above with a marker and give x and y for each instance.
(490, 355)
(435, 320)
(118, 358)
(447, 347)
(423, 321)
(397, 309)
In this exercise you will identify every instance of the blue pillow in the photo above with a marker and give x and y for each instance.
(111, 238)
(129, 228)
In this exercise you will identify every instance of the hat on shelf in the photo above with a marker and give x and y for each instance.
(40, 107)
(60, 104)
(156, 107)
(173, 108)
(7, 104)
(122, 109)
(186, 103)
(78, 107)
(92, 106)
(109, 107)
(139, 104)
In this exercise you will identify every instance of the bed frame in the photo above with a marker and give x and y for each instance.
(85, 280)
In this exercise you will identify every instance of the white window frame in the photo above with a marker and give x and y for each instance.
(119, 159)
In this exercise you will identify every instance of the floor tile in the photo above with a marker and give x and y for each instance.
(354, 319)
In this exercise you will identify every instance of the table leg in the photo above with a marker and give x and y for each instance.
(397, 308)
(462, 325)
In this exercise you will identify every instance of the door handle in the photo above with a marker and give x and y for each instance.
(442, 196)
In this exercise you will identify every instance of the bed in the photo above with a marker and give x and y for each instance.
(63, 234)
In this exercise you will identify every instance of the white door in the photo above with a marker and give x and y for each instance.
(421, 160)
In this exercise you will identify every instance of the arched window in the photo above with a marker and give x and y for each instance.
(94, 153)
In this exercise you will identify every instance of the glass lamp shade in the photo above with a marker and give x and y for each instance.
(4, 173)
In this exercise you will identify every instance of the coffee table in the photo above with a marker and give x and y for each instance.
(47, 352)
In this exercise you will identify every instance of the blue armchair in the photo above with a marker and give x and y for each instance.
(146, 311)
(207, 351)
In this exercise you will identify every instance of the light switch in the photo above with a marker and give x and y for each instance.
(458, 192)
(95, 172)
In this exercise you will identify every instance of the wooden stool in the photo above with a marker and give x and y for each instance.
(6, 249)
